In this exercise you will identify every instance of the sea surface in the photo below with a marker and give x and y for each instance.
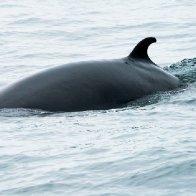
(147, 148)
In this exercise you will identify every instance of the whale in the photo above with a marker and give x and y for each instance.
(90, 85)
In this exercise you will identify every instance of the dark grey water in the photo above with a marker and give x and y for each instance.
(148, 148)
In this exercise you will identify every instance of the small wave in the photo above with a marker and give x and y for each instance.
(185, 70)
(32, 20)
(21, 112)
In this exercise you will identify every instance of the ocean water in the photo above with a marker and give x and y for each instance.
(147, 148)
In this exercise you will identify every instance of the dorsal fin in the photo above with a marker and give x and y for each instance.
(140, 50)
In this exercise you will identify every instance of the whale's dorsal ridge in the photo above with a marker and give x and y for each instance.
(140, 50)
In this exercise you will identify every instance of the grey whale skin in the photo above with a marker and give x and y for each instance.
(91, 85)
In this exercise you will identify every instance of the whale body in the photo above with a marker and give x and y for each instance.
(90, 85)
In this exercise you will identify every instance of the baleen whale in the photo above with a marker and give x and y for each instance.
(90, 85)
